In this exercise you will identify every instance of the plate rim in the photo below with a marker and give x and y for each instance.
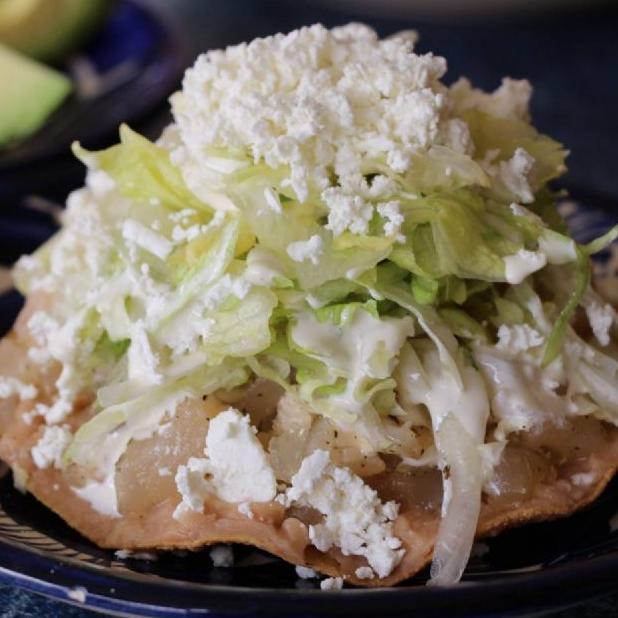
(593, 577)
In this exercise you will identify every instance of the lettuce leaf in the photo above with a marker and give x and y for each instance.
(142, 170)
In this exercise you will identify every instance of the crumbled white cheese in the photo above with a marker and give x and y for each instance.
(192, 485)
(305, 572)
(10, 386)
(164, 471)
(601, 318)
(355, 520)
(515, 175)
(518, 338)
(39, 356)
(347, 212)
(51, 445)
(101, 496)
(188, 233)
(222, 556)
(557, 248)
(244, 508)
(66, 346)
(41, 325)
(183, 215)
(235, 469)
(78, 593)
(364, 573)
(521, 264)
(149, 240)
(521, 211)
(332, 583)
(458, 136)
(316, 100)
(583, 479)
(302, 250)
(143, 362)
(182, 235)
(225, 287)
(391, 212)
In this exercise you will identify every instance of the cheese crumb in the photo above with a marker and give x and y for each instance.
(225, 287)
(332, 583)
(518, 338)
(515, 175)
(364, 573)
(394, 219)
(582, 479)
(521, 264)
(49, 449)
(41, 325)
(78, 593)
(222, 556)
(347, 212)
(10, 387)
(322, 103)
(303, 250)
(305, 572)
(244, 508)
(601, 318)
(235, 469)
(355, 520)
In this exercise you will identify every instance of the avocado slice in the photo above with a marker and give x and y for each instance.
(29, 93)
(49, 29)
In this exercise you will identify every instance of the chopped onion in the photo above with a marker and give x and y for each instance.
(461, 505)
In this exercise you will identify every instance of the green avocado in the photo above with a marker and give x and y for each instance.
(49, 29)
(29, 93)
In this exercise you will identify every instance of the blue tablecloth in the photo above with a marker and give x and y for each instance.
(18, 604)
(570, 56)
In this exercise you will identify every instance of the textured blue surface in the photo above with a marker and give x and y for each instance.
(19, 604)
(571, 58)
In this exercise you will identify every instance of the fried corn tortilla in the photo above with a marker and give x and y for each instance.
(549, 475)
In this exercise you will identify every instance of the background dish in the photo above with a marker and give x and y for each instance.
(133, 63)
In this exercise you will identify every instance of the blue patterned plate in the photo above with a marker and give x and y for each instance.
(521, 572)
(127, 72)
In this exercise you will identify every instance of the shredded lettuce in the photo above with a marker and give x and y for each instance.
(142, 170)
(504, 135)
(168, 288)
(99, 443)
(359, 350)
(581, 282)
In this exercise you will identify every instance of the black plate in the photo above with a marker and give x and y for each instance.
(523, 572)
